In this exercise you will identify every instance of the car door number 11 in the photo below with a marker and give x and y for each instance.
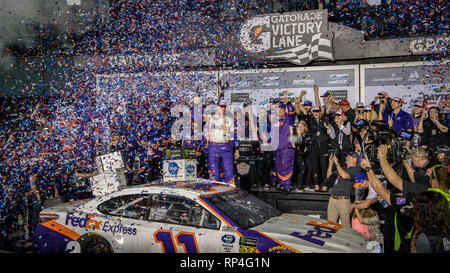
(167, 241)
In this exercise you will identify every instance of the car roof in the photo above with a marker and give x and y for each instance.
(196, 188)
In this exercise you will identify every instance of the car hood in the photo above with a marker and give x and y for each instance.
(308, 234)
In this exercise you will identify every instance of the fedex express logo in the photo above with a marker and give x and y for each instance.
(321, 230)
(87, 222)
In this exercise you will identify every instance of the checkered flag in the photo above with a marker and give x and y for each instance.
(320, 47)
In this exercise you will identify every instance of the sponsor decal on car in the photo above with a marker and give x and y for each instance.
(227, 248)
(228, 239)
(87, 222)
(244, 241)
(229, 229)
(281, 249)
(120, 229)
(322, 230)
(247, 249)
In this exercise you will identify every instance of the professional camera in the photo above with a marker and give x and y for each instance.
(358, 125)
(326, 119)
(379, 134)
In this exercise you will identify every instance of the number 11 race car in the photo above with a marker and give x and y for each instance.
(196, 217)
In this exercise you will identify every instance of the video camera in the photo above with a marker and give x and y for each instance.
(358, 125)
(406, 135)
(378, 133)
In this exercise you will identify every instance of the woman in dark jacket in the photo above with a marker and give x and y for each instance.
(302, 142)
(431, 223)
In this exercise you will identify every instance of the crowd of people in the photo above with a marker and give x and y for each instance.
(354, 181)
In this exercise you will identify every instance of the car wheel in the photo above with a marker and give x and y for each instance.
(94, 243)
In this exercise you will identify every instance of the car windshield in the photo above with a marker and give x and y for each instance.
(243, 208)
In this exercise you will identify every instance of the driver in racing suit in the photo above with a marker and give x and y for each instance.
(285, 152)
(219, 136)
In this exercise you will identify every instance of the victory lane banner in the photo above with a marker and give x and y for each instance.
(298, 37)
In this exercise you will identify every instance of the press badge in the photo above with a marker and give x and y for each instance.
(446, 244)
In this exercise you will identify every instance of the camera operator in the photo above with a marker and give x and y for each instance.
(364, 112)
(421, 162)
(435, 133)
(341, 138)
(417, 115)
(360, 126)
(398, 227)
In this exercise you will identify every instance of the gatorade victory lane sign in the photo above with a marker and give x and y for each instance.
(298, 37)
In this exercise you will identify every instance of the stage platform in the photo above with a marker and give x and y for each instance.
(305, 203)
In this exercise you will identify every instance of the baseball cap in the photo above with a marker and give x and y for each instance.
(315, 108)
(344, 102)
(326, 94)
(420, 152)
(281, 104)
(338, 112)
(418, 103)
(359, 105)
(368, 108)
(359, 178)
(307, 103)
(398, 99)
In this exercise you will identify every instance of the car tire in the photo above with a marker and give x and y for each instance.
(93, 243)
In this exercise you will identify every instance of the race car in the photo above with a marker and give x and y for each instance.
(197, 217)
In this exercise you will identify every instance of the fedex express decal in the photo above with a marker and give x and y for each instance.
(320, 230)
(86, 222)
(89, 222)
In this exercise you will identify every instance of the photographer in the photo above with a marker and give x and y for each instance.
(341, 139)
(421, 162)
(398, 223)
(435, 133)
(417, 117)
